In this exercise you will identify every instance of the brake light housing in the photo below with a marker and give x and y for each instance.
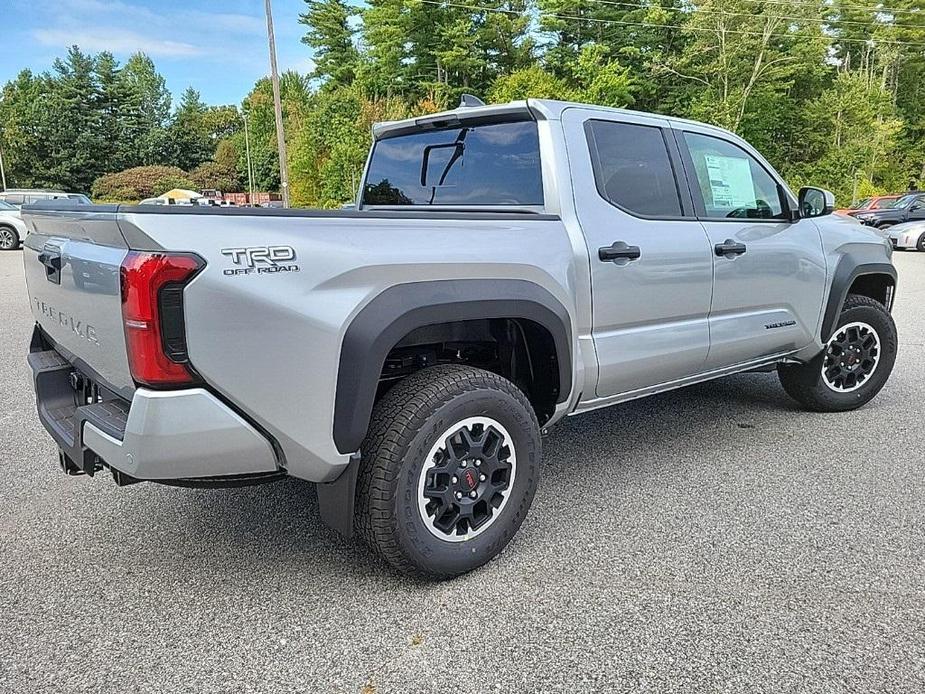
(152, 315)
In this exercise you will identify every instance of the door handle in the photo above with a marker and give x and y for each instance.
(618, 251)
(729, 248)
(52, 262)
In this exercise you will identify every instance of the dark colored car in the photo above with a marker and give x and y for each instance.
(877, 202)
(908, 208)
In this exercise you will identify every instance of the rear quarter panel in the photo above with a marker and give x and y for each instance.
(270, 343)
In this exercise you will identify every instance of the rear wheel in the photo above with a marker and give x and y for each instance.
(448, 470)
(921, 244)
(9, 239)
(854, 365)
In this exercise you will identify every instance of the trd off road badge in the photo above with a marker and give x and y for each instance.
(260, 260)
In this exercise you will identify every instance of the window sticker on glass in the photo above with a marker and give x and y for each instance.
(730, 181)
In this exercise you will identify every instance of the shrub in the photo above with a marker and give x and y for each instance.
(137, 183)
(213, 175)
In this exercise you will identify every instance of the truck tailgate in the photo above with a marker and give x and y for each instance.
(72, 264)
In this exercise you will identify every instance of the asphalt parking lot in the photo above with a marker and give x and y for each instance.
(714, 539)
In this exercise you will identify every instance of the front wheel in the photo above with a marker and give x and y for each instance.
(448, 470)
(854, 365)
(9, 239)
(921, 244)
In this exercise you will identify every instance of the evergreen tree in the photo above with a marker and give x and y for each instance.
(189, 138)
(330, 36)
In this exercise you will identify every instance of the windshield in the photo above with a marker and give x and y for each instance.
(860, 204)
(493, 164)
(905, 201)
(6, 206)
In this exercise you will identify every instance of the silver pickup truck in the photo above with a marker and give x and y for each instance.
(506, 266)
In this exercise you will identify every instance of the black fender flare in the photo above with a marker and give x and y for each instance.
(398, 310)
(854, 263)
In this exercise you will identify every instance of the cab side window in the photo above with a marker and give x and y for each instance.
(632, 169)
(731, 183)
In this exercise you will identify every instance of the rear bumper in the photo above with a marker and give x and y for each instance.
(165, 436)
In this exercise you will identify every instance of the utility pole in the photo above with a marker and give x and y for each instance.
(250, 168)
(278, 107)
(2, 171)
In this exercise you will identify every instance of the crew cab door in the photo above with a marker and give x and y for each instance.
(769, 272)
(651, 263)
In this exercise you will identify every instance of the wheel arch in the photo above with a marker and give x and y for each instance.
(402, 309)
(861, 271)
(16, 234)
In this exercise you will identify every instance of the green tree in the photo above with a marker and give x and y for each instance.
(75, 136)
(189, 136)
(740, 69)
(330, 35)
(850, 133)
(145, 112)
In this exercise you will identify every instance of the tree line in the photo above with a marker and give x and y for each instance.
(829, 91)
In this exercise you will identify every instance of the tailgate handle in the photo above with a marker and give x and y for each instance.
(52, 262)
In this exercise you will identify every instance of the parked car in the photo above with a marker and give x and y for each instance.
(877, 202)
(24, 196)
(12, 229)
(907, 236)
(507, 266)
(909, 207)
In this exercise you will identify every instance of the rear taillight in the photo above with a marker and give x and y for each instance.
(152, 312)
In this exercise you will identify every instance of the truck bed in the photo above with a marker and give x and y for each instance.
(263, 336)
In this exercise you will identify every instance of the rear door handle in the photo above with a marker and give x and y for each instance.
(729, 248)
(618, 251)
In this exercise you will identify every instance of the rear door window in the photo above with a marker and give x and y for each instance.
(632, 168)
(493, 164)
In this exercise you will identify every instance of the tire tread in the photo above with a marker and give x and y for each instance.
(395, 420)
(803, 383)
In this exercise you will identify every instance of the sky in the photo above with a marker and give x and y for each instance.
(219, 47)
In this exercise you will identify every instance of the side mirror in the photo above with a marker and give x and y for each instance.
(815, 202)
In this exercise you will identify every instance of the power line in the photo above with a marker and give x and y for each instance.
(837, 6)
(652, 25)
(720, 12)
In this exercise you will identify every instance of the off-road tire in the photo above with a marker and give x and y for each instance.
(9, 238)
(805, 383)
(406, 423)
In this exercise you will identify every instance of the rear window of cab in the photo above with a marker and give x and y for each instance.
(480, 165)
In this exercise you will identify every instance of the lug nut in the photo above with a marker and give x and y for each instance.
(472, 494)
(455, 479)
(478, 463)
(459, 495)
(463, 464)
(481, 478)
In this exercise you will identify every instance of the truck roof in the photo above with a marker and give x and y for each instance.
(545, 109)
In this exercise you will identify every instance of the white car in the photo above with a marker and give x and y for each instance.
(907, 236)
(12, 229)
